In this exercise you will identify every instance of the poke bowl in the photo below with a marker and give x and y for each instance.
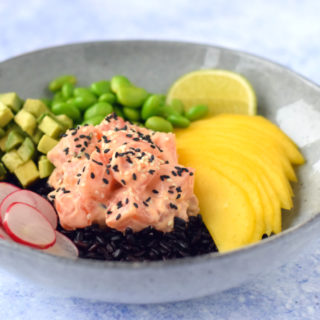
(284, 97)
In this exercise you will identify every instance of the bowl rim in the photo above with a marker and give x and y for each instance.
(171, 263)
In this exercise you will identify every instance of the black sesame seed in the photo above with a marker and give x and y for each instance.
(136, 205)
(178, 196)
(115, 168)
(170, 191)
(123, 182)
(191, 173)
(148, 199)
(145, 203)
(76, 139)
(134, 176)
(174, 173)
(78, 145)
(92, 175)
(119, 204)
(118, 216)
(152, 171)
(97, 162)
(127, 201)
(85, 143)
(173, 206)
(105, 181)
(164, 177)
(66, 150)
(155, 191)
(109, 212)
(87, 155)
(179, 189)
(106, 150)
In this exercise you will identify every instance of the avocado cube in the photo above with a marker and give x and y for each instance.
(45, 168)
(46, 143)
(2, 133)
(65, 121)
(50, 127)
(3, 142)
(11, 100)
(14, 140)
(3, 171)
(27, 173)
(26, 121)
(35, 107)
(26, 150)
(43, 157)
(12, 160)
(6, 115)
(35, 137)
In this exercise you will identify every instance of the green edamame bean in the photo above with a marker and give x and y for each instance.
(131, 114)
(197, 112)
(177, 106)
(81, 91)
(100, 87)
(57, 83)
(152, 105)
(156, 123)
(84, 101)
(119, 81)
(179, 121)
(94, 120)
(118, 110)
(57, 98)
(166, 111)
(131, 96)
(100, 108)
(67, 90)
(108, 97)
(70, 110)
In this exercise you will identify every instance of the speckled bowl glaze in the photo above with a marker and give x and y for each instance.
(284, 97)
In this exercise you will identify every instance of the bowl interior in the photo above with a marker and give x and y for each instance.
(283, 97)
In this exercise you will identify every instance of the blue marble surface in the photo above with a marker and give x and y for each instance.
(284, 31)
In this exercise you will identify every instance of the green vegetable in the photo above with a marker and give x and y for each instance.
(67, 90)
(156, 123)
(94, 121)
(82, 102)
(98, 109)
(131, 96)
(57, 83)
(119, 111)
(131, 114)
(100, 87)
(179, 121)
(68, 109)
(108, 97)
(119, 81)
(197, 112)
(152, 105)
(177, 106)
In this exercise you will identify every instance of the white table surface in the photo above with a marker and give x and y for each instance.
(287, 32)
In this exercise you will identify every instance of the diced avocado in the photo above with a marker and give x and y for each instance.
(3, 171)
(26, 150)
(35, 107)
(3, 141)
(65, 120)
(14, 140)
(2, 133)
(27, 173)
(35, 137)
(45, 168)
(46, 143)
(6, 115)
(12, 160)
(43, 157)
(50, 127)
(26, 121)
(11, 100)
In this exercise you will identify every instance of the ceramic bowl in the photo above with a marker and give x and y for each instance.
(283, 96)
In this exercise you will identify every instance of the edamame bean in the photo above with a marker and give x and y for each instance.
(152, 105)
(118, 110)
(84, 101)
(80, 91)
(94, 121)
(166, 111)
(46, 101)
(119, 81)
(67, 90)
(108, 97)
(131, 114)
(156, 123)
(100, 87)
(197, 112)
(57, 98)
(131, 96)
(179, 121)
(69, 110)
(100, 108)
(177, 106)
(57, 83)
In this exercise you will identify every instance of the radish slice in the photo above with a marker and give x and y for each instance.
(6, 188)
(25, 224)
(34, 200)
(63, 247)
(4, 235)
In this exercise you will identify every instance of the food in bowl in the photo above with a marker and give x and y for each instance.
(121, 193)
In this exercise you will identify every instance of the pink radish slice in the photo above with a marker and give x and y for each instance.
(25, 224)
(63, 247)
(6, 188)
(34, 200)
(4, 235)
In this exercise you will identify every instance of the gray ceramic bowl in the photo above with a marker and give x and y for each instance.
(283, 96)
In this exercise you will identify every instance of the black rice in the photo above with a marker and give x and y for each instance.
(187, 238)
